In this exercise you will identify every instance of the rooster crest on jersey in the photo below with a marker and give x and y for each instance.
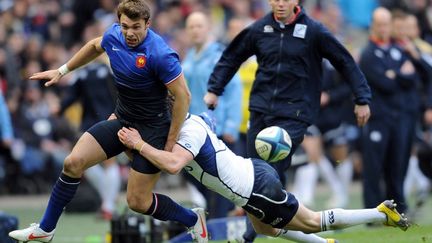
(273, 144)
(140, 61)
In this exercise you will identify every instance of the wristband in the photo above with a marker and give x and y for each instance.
(142, 146)
(63, 70)
(138, 147)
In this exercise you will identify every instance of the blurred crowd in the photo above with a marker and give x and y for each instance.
(38, 35)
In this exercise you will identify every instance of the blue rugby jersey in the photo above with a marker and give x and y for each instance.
(141, 74)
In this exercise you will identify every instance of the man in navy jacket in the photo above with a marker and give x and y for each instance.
(394, 72)
(289, 47)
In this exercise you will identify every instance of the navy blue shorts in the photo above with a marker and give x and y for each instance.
(105, 133)
(269, 202)
(313, 131)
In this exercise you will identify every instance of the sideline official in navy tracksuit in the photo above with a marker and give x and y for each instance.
(387, 139)
(289, 47)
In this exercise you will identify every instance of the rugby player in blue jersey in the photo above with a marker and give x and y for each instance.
(145, 70)
(253, 185)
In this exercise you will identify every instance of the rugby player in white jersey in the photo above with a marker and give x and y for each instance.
(253, 185)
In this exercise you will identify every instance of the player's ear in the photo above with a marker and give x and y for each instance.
(147, 24)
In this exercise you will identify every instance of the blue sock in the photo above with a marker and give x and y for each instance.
(164, 208)
(62, 193)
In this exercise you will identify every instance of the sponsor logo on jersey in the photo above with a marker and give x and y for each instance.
(268, 29)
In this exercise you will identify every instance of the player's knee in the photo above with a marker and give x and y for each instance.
(74, 166)
(133, 202)
(138, 203)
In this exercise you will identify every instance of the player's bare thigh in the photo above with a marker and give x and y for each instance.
(86, 153)
(262, 228)
(305, 220)
(313, 147)
(139, 190)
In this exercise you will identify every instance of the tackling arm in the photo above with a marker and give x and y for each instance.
(171, 162)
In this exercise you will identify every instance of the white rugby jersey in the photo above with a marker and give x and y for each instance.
(214, 164)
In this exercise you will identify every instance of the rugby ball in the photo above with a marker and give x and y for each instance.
(273, 144)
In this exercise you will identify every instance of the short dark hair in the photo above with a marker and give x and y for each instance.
(399, 14)
(134, 9)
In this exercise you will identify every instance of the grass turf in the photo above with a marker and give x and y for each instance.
(87, 228)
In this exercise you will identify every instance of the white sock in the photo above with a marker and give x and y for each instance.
(415, 178)
(107, 182)
(95, 175)
(345, 172)
(337, 218)
(329, 175)
(299, 236)
(305, 180)
(196, 197)
(112, 186)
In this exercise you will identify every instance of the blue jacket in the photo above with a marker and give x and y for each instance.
(6, 131)
(197, 70)
(391, 96)
(288, 79)
(339, 109)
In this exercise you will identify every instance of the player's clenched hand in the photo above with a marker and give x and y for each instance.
(211, 100)
(428, 116)
(130, 137)
(53, 76)
(362, 113)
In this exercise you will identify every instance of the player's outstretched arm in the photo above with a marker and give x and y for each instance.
(53, 76)
(86, 54)
(171, 162)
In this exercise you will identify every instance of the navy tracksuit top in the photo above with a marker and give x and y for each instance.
(391, 96)
(288, 79)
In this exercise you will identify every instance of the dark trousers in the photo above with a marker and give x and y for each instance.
(384, 156)
(409, 122)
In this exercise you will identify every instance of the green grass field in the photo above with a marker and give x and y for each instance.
(86, 228)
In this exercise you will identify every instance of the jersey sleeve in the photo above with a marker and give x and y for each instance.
(192, 137)
(107, 36)
(168, 67)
